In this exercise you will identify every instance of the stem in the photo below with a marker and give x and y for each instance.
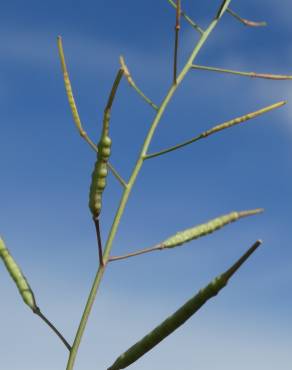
(218, 128)
(128, 189)
(132, 83)
(188, 19)
(176, 30)
(96, 223)
(247, 74)
(55, 330)
(137, 253)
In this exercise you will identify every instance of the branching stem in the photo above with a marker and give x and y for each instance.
(129, 187)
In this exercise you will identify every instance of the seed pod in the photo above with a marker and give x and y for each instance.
(17, 275)
(99, 175)
(174, 321)
(207, 228)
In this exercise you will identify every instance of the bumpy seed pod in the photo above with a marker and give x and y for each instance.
(207, 228)
(184, 313)
(99, 174)
(17, 275)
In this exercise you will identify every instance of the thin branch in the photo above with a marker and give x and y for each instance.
(176, 42)
(137, 253)
(188, 19)
(244, 21)
(133, 84)
(117, 175)
(191, 234)
(247, 74)
(55, 330)
(74, 109)
(184, 313)
(218, 128)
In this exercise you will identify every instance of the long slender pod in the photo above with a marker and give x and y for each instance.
(192, 233)
(184, 313)
(74, 109)
(100, 171)
(25, 289)
(18, 277)
(207, 228)
(222, 126)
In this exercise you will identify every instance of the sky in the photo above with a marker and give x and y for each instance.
(46, 169)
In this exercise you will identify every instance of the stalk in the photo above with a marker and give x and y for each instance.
(132, 180)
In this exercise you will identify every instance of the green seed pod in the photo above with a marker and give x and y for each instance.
(99, 175)
(17, 275)
(204, 229)
(184, 313)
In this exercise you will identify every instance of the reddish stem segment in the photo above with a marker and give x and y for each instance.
(177, 29)
(98, 235)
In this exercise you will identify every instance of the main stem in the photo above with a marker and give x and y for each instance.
(127, 192)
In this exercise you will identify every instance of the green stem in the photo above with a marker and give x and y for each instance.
(240, 73)
(132, 83)
(128, 189)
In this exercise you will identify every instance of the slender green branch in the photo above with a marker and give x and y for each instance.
(218, 128)
(247, 74)
(117, 176)
(128, 190)
(133, 84)
(192, 233)
(183, 314)
(244, 21)
(74, 110)
(188, 19)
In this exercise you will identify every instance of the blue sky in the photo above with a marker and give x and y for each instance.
(46, 171)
